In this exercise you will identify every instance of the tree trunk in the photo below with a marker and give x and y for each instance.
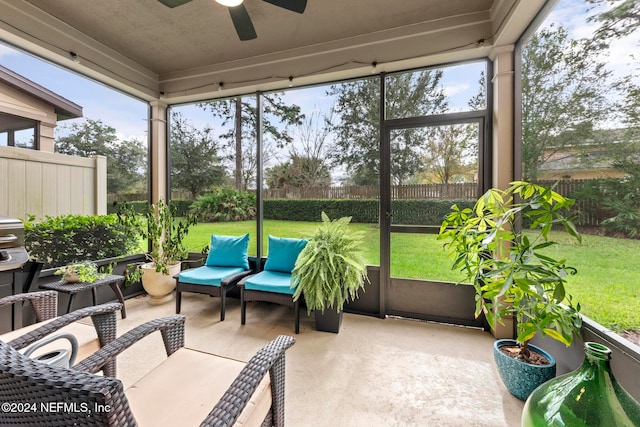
(238, 126)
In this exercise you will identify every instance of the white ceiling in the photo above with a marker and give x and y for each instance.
(144, 48)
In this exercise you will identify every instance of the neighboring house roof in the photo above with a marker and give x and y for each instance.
(573, 160)
(64, 108)
(587, 155)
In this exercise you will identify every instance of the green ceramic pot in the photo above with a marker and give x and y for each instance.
(588, 396)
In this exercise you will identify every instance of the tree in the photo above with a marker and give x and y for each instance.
(620, 20)
(308, 164)
(564, 83)
(127, 172)
(299, 171)
(243, 114)
(87, 138)
(452, 150)
(408, 95)
(629, 105)
(195, 165)
(450, 154)
(126, 160)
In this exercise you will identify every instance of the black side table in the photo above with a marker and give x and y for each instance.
(73, 288)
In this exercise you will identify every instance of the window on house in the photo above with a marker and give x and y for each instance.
(18, 132)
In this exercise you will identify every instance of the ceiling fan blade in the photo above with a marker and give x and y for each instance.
(292, 5)
(173, 3)
(242, 22)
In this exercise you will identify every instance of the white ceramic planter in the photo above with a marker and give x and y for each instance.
(159, 286)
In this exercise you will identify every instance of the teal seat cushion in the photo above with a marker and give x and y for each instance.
(270, 281)
(283, 253)
(207, 275)
(228, 251)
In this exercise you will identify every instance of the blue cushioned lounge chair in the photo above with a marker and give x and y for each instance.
(227, 263)
(273, 284)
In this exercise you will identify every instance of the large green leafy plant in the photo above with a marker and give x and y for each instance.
(166, 234)
(164, 231)
(331, 268)
(512, 271)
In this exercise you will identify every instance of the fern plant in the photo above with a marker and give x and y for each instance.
(331, 268)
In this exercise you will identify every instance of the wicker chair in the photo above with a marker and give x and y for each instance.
(45, 306)
(38, 394)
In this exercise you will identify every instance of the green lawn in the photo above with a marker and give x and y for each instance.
(605, 286)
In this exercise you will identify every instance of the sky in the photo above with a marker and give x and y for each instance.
(572, 14)
(126, 114)
(129, 115)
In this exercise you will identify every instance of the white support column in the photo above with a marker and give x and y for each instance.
(503, 138)
(503, 116)
(158, 151)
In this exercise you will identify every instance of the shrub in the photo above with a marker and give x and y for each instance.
(361, 210)
(409, 211)
(182, 206)
(67, 239)
(616, 202)
(139, 206)
(225, 204)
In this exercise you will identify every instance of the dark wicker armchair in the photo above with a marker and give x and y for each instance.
(45, 306)
(34, 393)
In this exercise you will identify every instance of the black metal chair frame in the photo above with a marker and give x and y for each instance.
(247, 295)
(227, 284)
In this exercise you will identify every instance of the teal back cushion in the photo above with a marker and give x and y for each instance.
(228, 251)
(283, 253)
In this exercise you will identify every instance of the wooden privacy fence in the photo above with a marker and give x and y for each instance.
(41, 183)
(417, 191)
(346, 192)
(586, 207)
(414, 191)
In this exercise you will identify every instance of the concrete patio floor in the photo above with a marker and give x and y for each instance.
(375, 372)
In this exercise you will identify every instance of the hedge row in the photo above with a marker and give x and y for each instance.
(406, 211)
(409, 212)
(142, 206)
(65, 239)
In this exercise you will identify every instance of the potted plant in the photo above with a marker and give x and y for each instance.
(514, 273)
(165, 233)
(329, 271)
(85, 271)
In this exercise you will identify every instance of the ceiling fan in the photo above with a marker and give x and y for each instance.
(240, 16)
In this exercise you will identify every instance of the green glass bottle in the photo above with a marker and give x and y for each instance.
(588, 396)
